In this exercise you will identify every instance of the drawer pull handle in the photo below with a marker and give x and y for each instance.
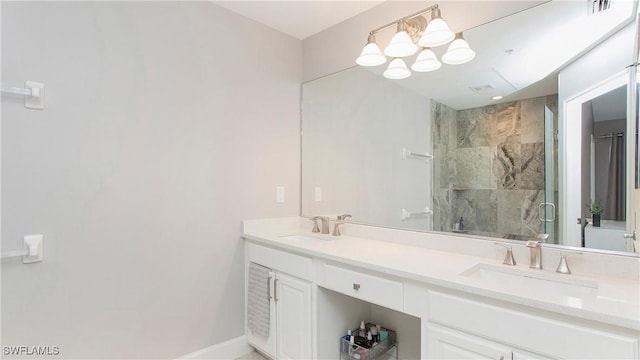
(356, 287)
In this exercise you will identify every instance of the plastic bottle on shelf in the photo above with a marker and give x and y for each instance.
(383, 335)
(374, 334)
(352, 345)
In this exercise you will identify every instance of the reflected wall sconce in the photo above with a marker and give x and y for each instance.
(415, 33)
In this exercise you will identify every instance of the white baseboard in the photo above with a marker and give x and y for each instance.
(231, 349)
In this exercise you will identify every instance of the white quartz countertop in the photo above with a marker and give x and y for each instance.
(615, 301)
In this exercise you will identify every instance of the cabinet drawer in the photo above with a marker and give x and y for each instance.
(296, 265)
(531, 331)
(371, 288)
(444, 343)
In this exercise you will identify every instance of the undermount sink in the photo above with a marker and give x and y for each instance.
(304, 239)
(531, 281)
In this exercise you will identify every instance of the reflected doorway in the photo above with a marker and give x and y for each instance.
(605, 119)
(596, 161)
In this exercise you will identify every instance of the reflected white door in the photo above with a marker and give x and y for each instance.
(571, 179)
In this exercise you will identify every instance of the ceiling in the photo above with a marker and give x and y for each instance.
(299, 19)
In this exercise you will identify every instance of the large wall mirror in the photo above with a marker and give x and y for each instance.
(439, 151)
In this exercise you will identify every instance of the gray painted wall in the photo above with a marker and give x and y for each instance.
(355, 125)
(166, 124)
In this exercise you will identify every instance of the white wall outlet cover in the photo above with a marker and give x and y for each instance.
(280, 194)
(34, 248)
(318, 193)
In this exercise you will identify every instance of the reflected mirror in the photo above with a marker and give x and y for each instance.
(439, 152)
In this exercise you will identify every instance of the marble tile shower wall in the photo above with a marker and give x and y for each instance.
(489, 167)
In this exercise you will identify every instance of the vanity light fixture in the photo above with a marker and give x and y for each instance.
(458, 52)
(437, 32)
(371, 54)
(426, 61)
(413, 32)
(401, 44)
(397, 70)
(497, 97)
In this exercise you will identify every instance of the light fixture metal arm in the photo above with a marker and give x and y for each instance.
(383, 27)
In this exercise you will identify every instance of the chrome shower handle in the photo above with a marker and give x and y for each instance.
(541, 207)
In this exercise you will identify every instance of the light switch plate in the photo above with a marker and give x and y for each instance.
(280, 194)
(318, 193)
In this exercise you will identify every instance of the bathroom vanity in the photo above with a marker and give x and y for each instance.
(447, 299)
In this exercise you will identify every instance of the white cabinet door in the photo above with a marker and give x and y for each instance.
(531, 330)
(293, 311)
(525, 355)
(443, 343)
(446, 343)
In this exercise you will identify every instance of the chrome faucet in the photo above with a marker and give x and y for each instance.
(535, 261)
(343, 217)
(325, 224)
(508, 258)
(340, 221)
(542, 237)
(316, 229)
(336, 228)
(563, 267)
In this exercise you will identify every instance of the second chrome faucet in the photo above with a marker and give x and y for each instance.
(324, 221)
(340, 220)
(535, 258)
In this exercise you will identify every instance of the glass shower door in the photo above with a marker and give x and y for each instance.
(547, 209)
